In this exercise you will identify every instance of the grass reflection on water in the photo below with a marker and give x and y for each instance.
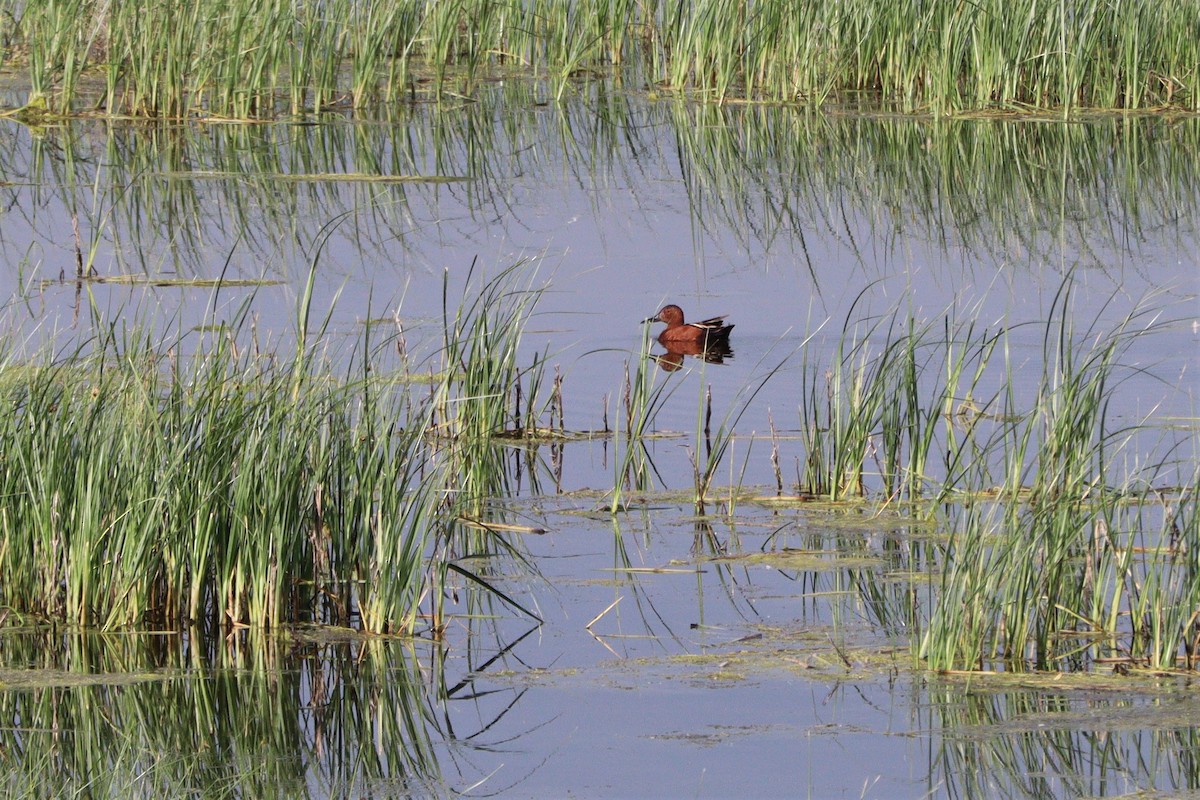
(188, 201)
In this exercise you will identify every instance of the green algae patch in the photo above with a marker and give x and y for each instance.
(541, 435)
(811, 502)
(804, 560)
(24, 679)
(767, 651)
(713, 735)
(333, 634)
(741, 666)
(535, 676)
(1132, 680)
(34, 114)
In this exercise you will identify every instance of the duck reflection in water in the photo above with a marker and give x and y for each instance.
(707, 339)
(672, 360)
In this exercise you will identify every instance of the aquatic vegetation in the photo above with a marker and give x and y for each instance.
(987, 522)
(1072, 554)
(891, 397)
(1066, 535)
(972, 499)
(1061, 539)
(203, 481)
(140, 488)
(481, 345)
(206, 482)
(237, 59)
(1063, 585)
(644, 394)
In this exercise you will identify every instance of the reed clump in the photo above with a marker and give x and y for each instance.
(884, 417)
(210, 483)
(482, 336)
(240, 59)
(1072, 558)
(1070, 538)
(643, 396)
(139, 489)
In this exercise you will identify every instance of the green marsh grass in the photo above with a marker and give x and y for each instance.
(1071, 538)
(874, 418)
(236, 59)
(644, 394)
(472, 427)
(481, 339)
(201, 481)
(1071, 556)
(1055, 535)
(225, 490)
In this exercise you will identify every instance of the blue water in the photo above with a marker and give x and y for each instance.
(617, 218)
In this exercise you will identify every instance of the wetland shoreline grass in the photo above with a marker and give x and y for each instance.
(203, 482)
(243, 60)
(1071, 536)
(232, 487)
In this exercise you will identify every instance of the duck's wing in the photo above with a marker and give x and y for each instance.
(711, 323)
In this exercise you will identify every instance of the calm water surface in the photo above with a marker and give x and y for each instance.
(717, 673)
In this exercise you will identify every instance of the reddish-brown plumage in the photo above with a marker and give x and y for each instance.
(706, 332)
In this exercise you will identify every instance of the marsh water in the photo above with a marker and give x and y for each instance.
(756, 649)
